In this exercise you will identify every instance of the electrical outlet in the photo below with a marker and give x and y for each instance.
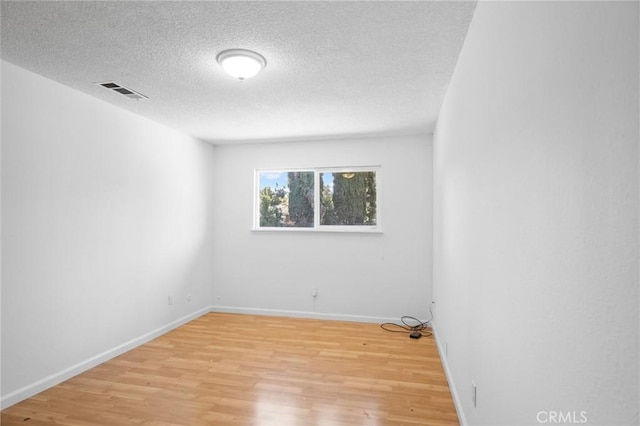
(314, 293)
(189, 297)
(474, 394)
(170, 300)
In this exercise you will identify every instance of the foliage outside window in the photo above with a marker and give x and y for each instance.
(347, 199)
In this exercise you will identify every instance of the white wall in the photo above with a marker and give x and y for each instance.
(368, 277)
(536, 214)
(104, 215)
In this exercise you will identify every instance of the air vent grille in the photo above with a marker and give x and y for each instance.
(129, 93)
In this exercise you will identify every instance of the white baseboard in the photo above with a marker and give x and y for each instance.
(54, 379)
(447, 372)
(301, 314)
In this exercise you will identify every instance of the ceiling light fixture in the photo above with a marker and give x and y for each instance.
(241, 63)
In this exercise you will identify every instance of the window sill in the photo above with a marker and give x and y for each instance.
(324, 230)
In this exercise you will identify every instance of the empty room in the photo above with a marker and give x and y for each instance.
(320, 213)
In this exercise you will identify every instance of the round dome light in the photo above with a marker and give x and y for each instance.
(241, 63)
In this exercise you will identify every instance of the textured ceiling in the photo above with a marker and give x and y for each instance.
(333, 68)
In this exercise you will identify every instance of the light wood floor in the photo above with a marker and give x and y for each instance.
(225, 369)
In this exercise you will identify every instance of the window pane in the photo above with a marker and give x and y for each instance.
(286, 199)
(348, 198)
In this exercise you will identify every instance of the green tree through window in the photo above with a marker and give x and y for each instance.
(353, 200)
(270, 201)
(301, 198)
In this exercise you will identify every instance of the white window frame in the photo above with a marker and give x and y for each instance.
(317, 227)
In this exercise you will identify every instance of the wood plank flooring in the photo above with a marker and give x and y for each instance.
(227, 369)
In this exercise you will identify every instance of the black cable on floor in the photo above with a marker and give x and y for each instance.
(416, 326)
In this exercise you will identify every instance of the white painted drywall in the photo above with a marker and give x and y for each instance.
(367, 277)
(536, 214)
(104, 215)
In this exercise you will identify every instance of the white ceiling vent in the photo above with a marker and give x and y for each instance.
(129, 93)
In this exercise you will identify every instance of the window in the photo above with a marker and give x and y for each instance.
(348, 199)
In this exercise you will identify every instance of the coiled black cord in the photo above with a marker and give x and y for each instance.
(415, 325)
